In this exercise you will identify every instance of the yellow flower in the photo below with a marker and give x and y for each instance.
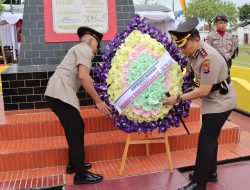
(121, 57)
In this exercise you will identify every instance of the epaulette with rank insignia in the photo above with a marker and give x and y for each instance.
(203, 53)
(196, 54)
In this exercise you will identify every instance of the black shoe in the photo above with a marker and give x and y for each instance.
(70, 169)
(194, 186)
(87, 178)
(212, 177)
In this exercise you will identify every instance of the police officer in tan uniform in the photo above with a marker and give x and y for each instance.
(218, 98)
(234, 45)
(61, 97)
(221, 39)
(237, 46)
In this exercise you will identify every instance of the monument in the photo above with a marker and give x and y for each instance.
(49, 30)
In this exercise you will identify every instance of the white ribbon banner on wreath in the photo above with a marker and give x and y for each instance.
(143, 82)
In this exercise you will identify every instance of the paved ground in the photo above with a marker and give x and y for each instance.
(231, 177)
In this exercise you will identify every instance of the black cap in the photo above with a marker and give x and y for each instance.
(184, 31)
(86, 30)
(220, 18)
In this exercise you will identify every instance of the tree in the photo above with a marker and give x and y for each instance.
(244, 12)
(207, 10)
(229, 9)
(203, 9)
(1, 6)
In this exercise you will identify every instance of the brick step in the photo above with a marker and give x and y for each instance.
(52, 151)
(46, 124)
(31, 178)
(25, 124)
(26, 179)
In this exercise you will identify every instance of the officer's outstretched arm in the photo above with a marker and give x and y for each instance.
(87, 83)
(203, 90)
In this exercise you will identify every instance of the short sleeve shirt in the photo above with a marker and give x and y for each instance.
(64, 83)
(211, 68)
(224, 45)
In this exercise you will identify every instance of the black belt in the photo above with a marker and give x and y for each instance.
(218, 86)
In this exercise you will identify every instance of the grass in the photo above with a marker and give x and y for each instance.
(243, 60)
(245, 48)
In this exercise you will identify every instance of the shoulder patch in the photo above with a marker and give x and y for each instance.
(203, 53)
(205, 67)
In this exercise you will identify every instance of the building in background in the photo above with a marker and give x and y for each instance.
(242, 30)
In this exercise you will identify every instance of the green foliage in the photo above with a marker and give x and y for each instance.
(203, 9)
(244, 12)
(1, 6)
(207, 10)
(244, 56)
(229, 9)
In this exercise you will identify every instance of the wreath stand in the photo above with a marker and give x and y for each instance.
(147, 141)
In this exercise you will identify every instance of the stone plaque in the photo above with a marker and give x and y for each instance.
(63, 17)
(68, 15)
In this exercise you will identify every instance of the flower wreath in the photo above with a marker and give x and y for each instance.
(127, 56)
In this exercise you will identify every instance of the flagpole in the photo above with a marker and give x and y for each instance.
(11, 6)
(173, 4)
(184, 8)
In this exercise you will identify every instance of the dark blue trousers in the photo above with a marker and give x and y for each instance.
(206, 158)
(73, 125)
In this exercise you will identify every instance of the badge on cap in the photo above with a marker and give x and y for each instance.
(205, 66)
(184, 30)
(174, 38)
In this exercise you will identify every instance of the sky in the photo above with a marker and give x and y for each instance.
(177, 5)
